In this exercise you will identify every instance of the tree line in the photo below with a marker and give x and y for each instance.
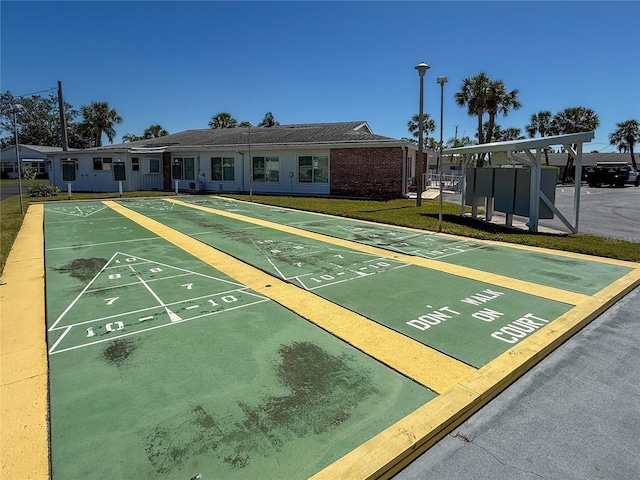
(38, 122)
(486, 98)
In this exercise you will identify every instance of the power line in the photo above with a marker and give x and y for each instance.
(52, 89)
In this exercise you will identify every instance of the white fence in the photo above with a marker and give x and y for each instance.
(451, 182)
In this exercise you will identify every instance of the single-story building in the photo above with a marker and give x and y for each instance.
(334, 159)
(34, 156)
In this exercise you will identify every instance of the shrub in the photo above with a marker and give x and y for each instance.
(42, 189)
(29, 173)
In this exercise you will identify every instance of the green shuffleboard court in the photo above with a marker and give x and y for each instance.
(206, 336)
(460, 317)
(568, 273)
(161, 367)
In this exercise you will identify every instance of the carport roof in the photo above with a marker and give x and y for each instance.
(526, 144)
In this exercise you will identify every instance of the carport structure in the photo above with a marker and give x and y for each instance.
(504, 153)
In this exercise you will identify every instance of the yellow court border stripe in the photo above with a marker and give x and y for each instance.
(530, 288)
(24, 434)
(424, 365)
(396, 447)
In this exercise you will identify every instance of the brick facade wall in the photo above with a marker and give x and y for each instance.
(166, 170)
(366, 172)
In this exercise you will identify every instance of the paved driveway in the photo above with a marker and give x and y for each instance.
(8, 190)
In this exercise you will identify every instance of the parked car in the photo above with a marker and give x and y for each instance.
(608, 173)
(634, 176)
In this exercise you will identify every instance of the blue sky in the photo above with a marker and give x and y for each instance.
(179, 63)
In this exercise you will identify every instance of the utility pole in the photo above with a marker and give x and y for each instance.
(63, 120)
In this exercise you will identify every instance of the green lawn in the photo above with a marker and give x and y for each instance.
(394, 212)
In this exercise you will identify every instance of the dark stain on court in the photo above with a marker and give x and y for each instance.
(84, 269)
(324, 390)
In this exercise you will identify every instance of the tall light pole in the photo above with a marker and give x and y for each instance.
(15, 126)
(422, 68)
(441, 81)
(250, 168)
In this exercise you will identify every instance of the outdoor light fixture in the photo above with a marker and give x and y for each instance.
(422, 68)
(441, 81)
(16, 107)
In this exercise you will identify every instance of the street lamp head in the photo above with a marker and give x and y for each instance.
(422, 68)
(442, 80)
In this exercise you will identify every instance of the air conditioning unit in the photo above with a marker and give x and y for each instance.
(194, 186)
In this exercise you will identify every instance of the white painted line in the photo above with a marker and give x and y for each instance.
(277, 269)
(172, 315)
(152, 280)
(150, 328)
(89, 245)
(59, 340)
(146, 309)
(81, 293)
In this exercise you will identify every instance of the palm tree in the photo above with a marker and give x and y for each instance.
(573, 120)
(540, 123)
(244, 123)
(482, 95)
(510, 133)
(472, 94)
(498, 100)
(625, 137)
(268, 120)
(428, 126)
(223, 120)
(154, 131)
(459, 142)
(99, 118)
(130, 137)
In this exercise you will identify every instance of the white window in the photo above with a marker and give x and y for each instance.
(135, 164)
(102, 163)
(153, 165)
(223, 169)
(266, 169)
(183, 168)
(313, 169)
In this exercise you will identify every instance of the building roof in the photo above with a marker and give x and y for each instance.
(296, 134)
(36, 148)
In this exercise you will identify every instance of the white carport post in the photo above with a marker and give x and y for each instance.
(577, 180)
(465, 161)
(534, 189)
